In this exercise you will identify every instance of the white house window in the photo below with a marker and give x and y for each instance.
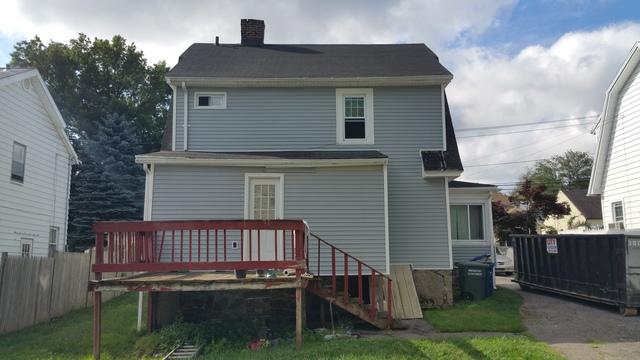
(53, 240)
(18, 160)
(26, 246)
(354, 116)
(617, 212)
(467, 222)
(210, 100)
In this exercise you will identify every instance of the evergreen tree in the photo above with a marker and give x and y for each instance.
(108, 184)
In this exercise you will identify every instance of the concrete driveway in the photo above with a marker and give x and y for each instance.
(578, 329)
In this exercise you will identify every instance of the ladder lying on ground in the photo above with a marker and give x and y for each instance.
(373, 306)
(185, 351)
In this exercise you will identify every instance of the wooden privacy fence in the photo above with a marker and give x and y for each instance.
(35, 289)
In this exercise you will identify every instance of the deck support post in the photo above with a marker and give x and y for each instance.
(299, 316)
(150, 312)
(97, 318)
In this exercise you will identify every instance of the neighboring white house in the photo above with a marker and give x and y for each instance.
(616, 170)
(35, 167)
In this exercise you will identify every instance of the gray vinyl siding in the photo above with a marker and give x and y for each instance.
(406, 119)
(468, 252)
(344, 206)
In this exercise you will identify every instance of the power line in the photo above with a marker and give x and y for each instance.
(521, 131)
(528, 124)
(504, 163)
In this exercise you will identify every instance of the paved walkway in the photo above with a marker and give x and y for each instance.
(578, 329)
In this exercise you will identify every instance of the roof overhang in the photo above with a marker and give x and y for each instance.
(270, 162)
(49, 105)
(607, 119)
(423, 80)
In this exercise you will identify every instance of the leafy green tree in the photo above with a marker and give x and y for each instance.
(90, 81)
(572, 170)
(109, 185)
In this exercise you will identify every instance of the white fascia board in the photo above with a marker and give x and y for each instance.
(439, 173)
(54, 114)
(18, 77)
(468, 190)
(607, 118)
(142, 159)
(314, 82)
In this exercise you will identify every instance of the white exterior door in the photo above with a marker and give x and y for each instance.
(264, 203)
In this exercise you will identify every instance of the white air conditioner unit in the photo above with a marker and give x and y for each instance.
(616, 226)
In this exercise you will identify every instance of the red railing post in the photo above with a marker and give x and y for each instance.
(374, 293)
(360, 301)
(173, 245)
(259, 246)
(346, 279)
(389, 302)
(333, 271)
(318, 257)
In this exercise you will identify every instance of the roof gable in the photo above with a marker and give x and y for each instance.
(14, 75)
(607, 119)
(589, 206)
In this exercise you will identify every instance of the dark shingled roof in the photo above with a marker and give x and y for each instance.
(444, 160)
(307, 61)
(268, 155)
(456, 184)
(589, 206)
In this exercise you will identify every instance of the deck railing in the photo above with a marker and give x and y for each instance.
(200, 245)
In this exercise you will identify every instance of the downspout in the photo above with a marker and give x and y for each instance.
(66, 205)
(174, 90)
(386, 217)
(185, 126)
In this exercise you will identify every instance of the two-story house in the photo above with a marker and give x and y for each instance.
(36, 167)
(357, 140)
(616, 170)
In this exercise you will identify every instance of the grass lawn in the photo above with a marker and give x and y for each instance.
(70, 336)
(517, 347)
(500, 312)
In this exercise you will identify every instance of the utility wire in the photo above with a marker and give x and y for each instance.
(586, 117)
(520, 131)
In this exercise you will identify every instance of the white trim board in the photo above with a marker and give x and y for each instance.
(144, 159)
(421, 80)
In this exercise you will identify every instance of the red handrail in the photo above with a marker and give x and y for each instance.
(173, 246)
(373, 298)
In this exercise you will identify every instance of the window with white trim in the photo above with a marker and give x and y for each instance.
(617, 212)
(18, 161)
(354, 116)
(467, 222)
(53, 240)
(210, 100)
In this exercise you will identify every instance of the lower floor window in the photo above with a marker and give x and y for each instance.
(467, 222)
(26, 246)
(53, 240)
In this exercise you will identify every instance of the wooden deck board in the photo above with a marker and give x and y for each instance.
(406, 304)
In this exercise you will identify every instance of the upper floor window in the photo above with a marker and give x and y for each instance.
(467, 222)
(210, 100)
(617, 211)
(354, 116)
(18, 159)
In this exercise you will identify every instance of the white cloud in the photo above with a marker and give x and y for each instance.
(566, 79)
(163, 29)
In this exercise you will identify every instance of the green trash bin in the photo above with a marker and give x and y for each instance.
(474, 279)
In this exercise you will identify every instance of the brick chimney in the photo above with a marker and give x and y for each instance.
(252, 32)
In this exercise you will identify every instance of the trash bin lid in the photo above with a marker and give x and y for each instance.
(473, 264)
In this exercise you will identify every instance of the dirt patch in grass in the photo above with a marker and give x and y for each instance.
(498, 313)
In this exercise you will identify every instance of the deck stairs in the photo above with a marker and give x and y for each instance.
(186, 350)
(352, 285)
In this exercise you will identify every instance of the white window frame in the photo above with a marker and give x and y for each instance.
(267, 176)
(367, 93)
(54, 241)
(23, 242)
(613, 211)
(485, 233)
(24, 163)
(197, 94)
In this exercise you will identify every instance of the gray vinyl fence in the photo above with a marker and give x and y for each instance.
(35, 289)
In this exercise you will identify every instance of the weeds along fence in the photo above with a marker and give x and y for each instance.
(34, 290)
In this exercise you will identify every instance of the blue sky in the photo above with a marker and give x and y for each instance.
(513, 61)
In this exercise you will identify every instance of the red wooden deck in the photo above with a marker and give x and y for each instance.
(173, 254)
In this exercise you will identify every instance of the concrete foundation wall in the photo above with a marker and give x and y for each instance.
(434, 287)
